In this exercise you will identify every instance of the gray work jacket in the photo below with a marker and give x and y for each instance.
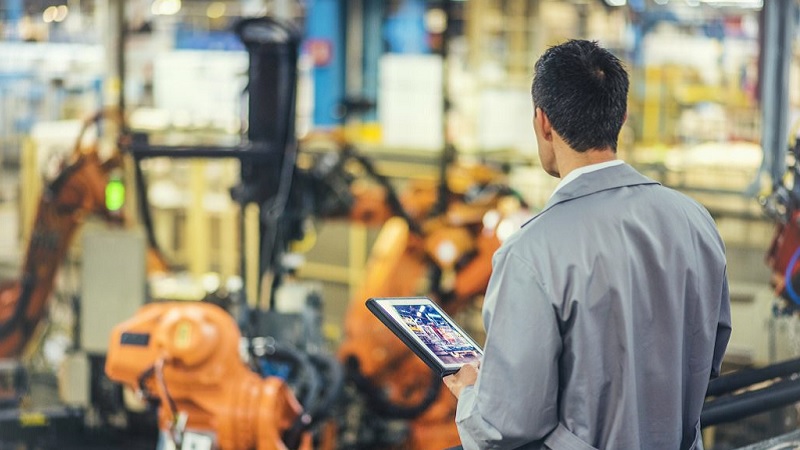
(606, 316)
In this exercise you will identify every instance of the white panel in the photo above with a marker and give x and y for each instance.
(74, 380)
(506, 120)
(113, 282)
(410, 101)
(200, 88)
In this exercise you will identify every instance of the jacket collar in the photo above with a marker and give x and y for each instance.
(599, 180)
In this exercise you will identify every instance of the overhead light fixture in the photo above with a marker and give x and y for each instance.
(739, 3)
(436, 21)
(61, 13)
(661, 2)
(49, 14)
(165, 7)
(215, 10)
(616, 2)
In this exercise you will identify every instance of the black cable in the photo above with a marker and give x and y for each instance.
(144, 205)
(151, 372)
(308, 377)
(329, 369)
(143, 378)
(270, 243)
(158, 371)
(334, 385)
(381, 405)
(391, 194)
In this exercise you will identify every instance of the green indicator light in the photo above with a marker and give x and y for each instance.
(115, 195)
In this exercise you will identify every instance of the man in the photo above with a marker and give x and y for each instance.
(608, 312)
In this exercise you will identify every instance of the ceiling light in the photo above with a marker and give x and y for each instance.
(165, 7)
(739, 3)
(49, 14)
(61, 13)
(215, 10)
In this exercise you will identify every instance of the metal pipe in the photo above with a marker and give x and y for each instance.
(744, 378)
(729, 409)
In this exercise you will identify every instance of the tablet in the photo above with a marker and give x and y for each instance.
(428, 331)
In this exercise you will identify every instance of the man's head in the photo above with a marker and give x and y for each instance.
(582, 91)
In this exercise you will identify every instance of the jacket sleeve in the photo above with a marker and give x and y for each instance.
(515, 399)
(723, 328)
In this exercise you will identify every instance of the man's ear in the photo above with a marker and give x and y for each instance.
(542, 122)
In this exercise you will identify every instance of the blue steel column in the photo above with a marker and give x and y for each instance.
(779, 26)
(373, 48)
(14, 11)
(325, 22)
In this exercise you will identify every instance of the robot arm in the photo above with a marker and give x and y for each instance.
(79, 189)
(186, 355)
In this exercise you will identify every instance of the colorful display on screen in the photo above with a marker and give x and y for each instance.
(437, 333)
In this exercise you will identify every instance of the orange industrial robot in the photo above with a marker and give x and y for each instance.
(78, 190)
(186, 355)
(259, 413)
(442, 252)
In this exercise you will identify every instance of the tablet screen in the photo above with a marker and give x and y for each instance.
(427, 324)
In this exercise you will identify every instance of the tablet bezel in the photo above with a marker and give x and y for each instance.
(386, 305)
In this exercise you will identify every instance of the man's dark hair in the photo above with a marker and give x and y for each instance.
(583, 89)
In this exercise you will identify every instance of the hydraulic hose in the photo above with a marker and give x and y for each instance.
(333, 373)
(391, 194)
(377, 401)
(144, 206)
(307, 374)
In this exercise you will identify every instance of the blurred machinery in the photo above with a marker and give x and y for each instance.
(441, 248)
(747, 392)
(79, 190)
(258, 377)
(437, 239)
(280, 387)
(186, 355)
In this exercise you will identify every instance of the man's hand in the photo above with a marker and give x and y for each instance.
(466, 376)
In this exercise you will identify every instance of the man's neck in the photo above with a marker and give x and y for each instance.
(569, 159)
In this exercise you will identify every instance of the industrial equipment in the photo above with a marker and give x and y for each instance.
(79, 190)
(187, 356)
(437, 239)
(748, 392)
(278, 390)
(213, 378)
(445, 254)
